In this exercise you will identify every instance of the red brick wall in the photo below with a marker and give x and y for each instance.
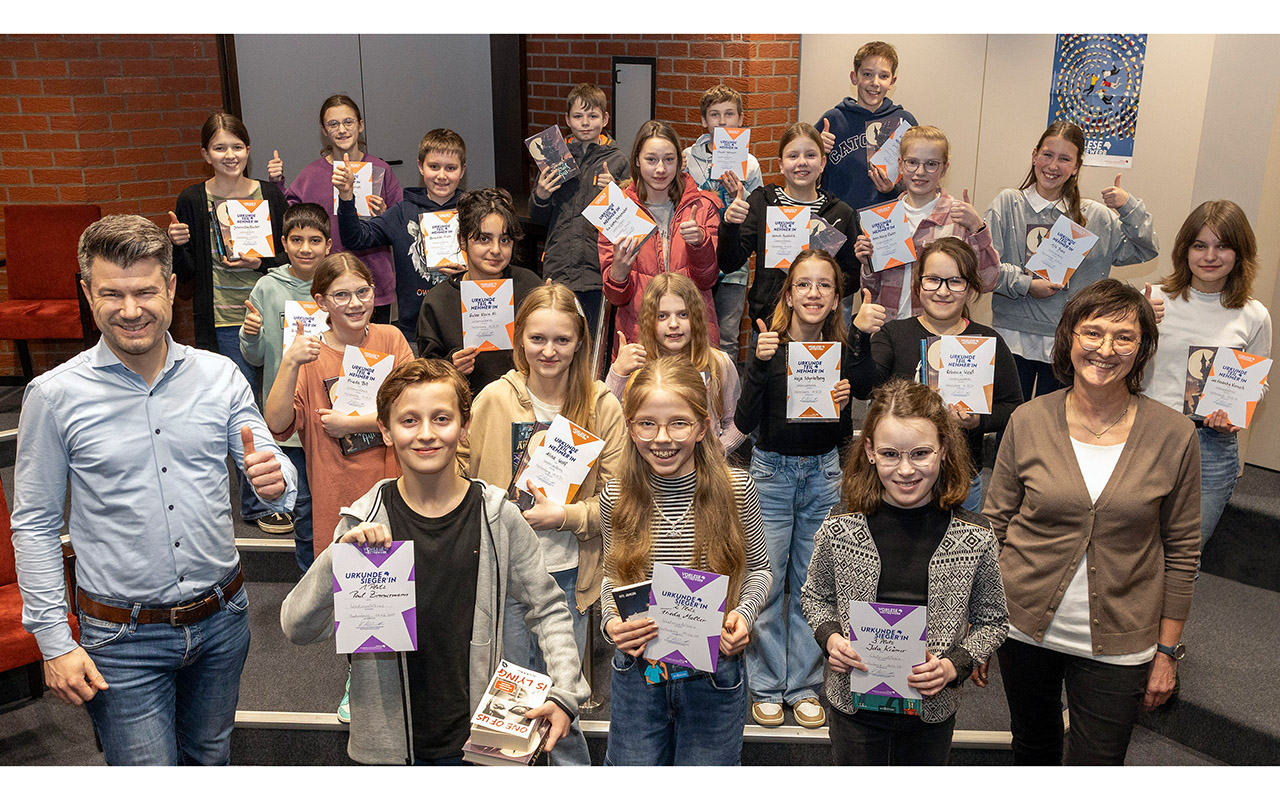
(764, 67)
(111, 119)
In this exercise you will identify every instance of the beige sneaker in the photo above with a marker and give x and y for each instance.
(767, 714)
(809, 713)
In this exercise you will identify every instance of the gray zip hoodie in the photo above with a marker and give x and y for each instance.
(510, 563)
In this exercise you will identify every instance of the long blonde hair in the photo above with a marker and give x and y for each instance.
(580, 399)
(719, 544)
(698, 350)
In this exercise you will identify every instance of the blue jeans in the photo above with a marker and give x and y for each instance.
(520, 646)
(304, 554)
(251, 507)
(696, 721)
(173, 689)
(974, 501)
(1219, 463)
(784, 662)
(730, 299)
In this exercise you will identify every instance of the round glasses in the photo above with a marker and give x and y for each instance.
(1122, 344)
(343, 298)
(931, 166)
(804, 286)
(334, 124)
(932, 283)
(678, 430)
(918, 456)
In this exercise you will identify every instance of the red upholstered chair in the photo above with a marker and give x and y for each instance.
(17, 647)
(40, 259)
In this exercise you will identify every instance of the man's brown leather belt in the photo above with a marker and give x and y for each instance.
(185, 614)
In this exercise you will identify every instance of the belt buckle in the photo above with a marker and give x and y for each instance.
(173, 612)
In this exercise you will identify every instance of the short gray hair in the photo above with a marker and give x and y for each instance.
(124, 240)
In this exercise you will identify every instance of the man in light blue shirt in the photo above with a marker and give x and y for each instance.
(141, 426)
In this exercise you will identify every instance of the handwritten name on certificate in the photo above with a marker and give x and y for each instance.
(786, 234)
(890, 638)
(363, 372)
(1220, 378)
(689, 609)
(314, 321)
(438, 231)
(729, 151)
(559, 465)
(617, 216)
(886, 158)
(1059, 255)
(891, 235)
(368, 181)
(963, 370)
(488, 313)
(813, 370)
(374, 605)
(250, 222)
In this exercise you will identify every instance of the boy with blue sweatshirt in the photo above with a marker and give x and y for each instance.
(442, 161)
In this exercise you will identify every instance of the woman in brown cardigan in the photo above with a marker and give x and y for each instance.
(1095, 498)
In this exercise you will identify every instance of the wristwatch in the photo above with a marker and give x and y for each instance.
(1176, 652)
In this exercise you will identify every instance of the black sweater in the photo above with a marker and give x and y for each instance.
(194, 260)
(737, 242)
(894, 351)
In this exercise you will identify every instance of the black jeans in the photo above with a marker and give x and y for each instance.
(878, 738)
(1037, 375)
(1104, 700)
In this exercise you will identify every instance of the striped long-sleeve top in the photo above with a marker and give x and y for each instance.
(673, 537)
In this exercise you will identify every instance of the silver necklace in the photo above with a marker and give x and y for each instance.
(1096, 434)
(677, 523)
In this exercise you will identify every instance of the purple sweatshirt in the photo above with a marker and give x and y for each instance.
(314, 184)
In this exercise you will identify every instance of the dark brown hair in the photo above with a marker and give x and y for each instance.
(589, 95)
(966, 260)
(1068, 130)
(442, 140)
(334, 101)
(222, 121)
(903, 399)
(474, 206)
(661, 130)
(833, 330)
(305, 215)
(1231, 226)
(1115, 300)
(422, 370)
(124, 240)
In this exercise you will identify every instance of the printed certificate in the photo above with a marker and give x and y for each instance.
(886, 158)
(786, 234)
(890, 639)
(689, 609)
(617, 216)
(559, 465)
(1060, 253)
(439, 232)
(368, 181)
(813, 370)
(729, 151)
(363, 371)
(374, 605)
(314, 321)
(250, 224)
(1222, 378)
(891, 235)
(963, 370)
(488, 313)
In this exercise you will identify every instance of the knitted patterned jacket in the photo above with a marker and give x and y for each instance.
(967, 618)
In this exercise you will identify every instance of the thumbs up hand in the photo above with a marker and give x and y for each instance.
(252, 320)
(828, 138)
(275, 167)
(546, 514)
(767, 342)
(1114, 196)
(631, 357)
(604, 178)
(178, 232)
(262, 468)
(736, 213)
(344, 179)
(304, 348)
(964, 214)
(1157, 305)
(871, 316)
(691, 232)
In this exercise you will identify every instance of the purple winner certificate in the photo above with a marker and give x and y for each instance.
(374, 604)
(890, 638)
(689, 609)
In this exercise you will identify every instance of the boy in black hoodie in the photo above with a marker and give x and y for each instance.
(570, 255)
(442, 161)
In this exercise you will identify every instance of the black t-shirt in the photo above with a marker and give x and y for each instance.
(446, 556)
(906, 539)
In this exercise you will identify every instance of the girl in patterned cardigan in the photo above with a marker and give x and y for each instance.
(902, 537)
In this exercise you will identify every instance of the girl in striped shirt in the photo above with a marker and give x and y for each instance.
(679, 503)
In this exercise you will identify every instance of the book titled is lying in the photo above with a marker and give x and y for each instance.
(508, 756)
(500, 719)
